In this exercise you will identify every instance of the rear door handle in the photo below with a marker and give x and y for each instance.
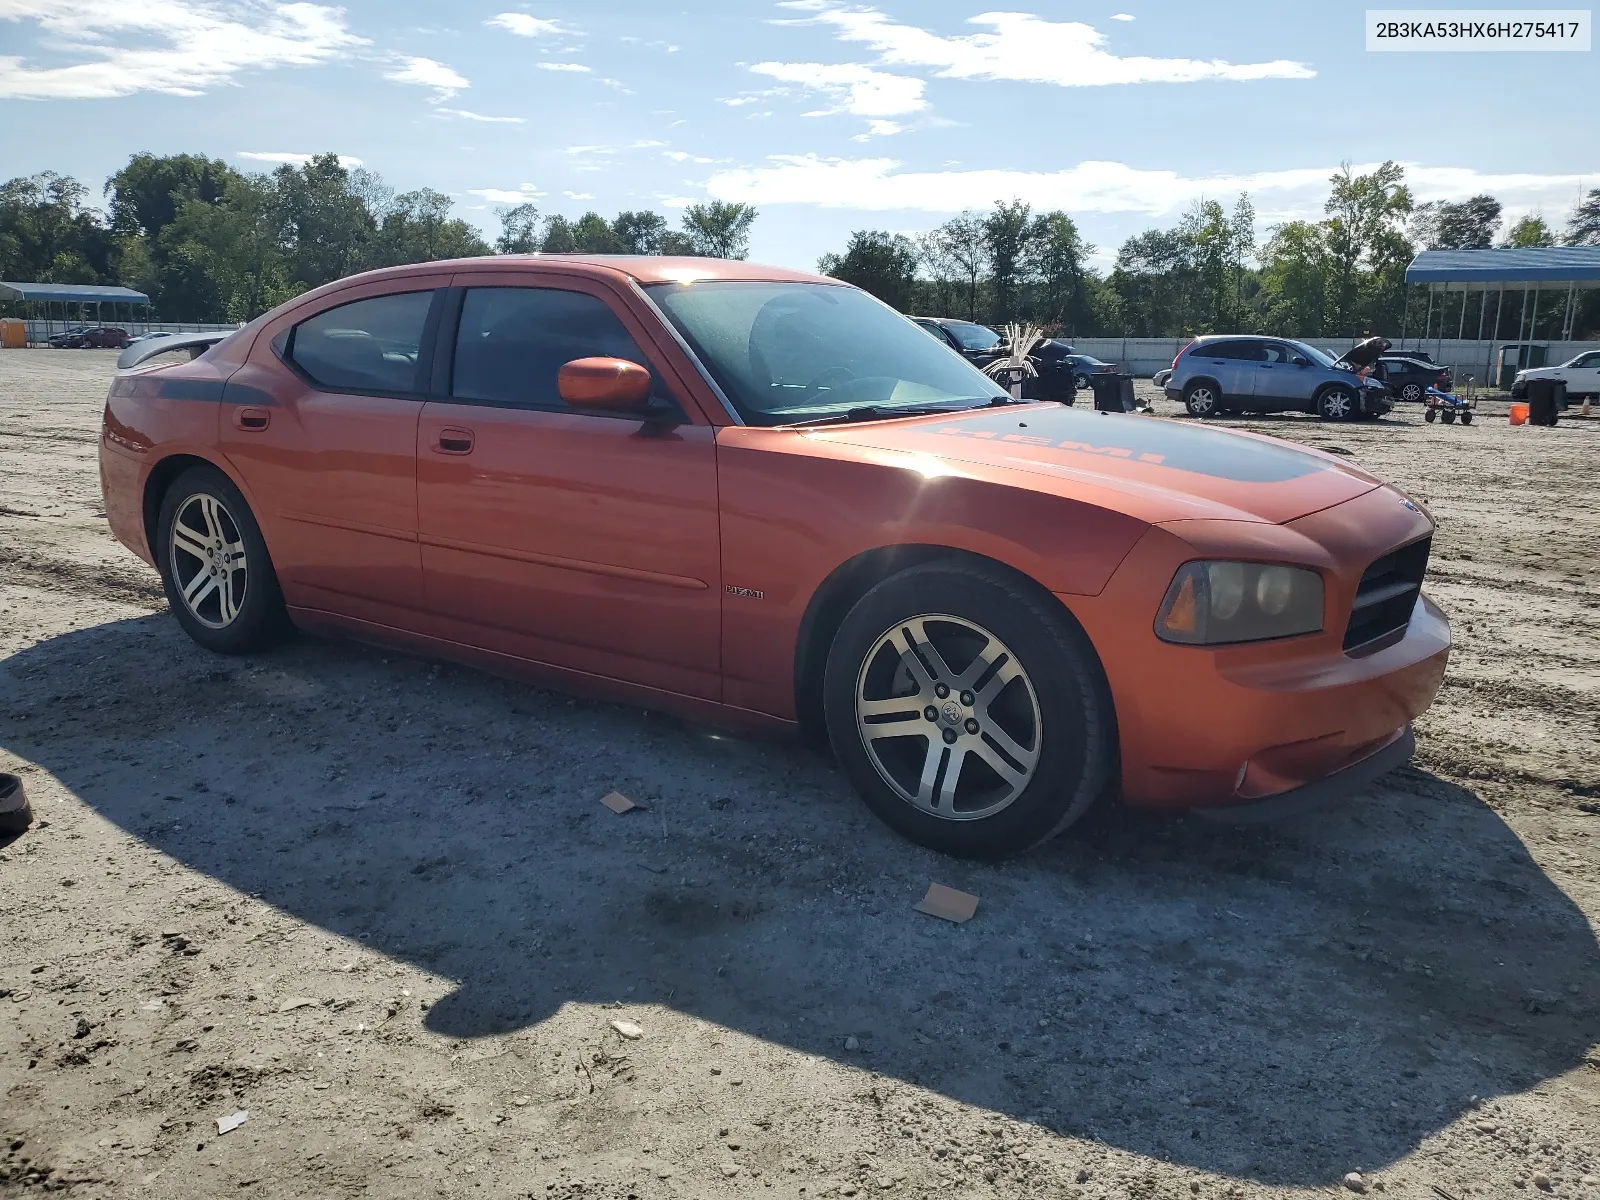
(453, 441)
(252, 419)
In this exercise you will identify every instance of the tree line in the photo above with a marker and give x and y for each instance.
(207, 242)
(1342, 276)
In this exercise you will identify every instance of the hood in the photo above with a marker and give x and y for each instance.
(1149, 468)
(1364, 354)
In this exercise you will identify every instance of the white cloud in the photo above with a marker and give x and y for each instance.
(525, 194)
(181, 47)
(1121, 17)
(523, 25)
(578, 195)
(425, 72)
(293, 159)
(855, 89)
(1094, 187)
(472, 116)
(1025, 47)
(562, 66)
(681, 156)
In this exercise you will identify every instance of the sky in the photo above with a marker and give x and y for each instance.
(827, 116)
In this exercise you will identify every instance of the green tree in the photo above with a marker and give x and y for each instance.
(48, 234)
(719, 229)
(1009, 234)
(1057, 265)
(593, 235)
(1530, 233)
(1583, 227)
(1366, 219)
(1444, 225)
(519, 230)
(328, 230)
(419, 228)
(884, 264)
(147, 193)
(1295, 277)
(963, 249)
(1153, 279)
(641, 232)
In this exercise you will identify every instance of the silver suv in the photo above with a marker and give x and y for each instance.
(1225, 373)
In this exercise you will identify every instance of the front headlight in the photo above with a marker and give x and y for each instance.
(1213, 603)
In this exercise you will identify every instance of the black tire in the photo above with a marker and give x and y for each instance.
(1338, 403)
(1068, 726)
(258, 617)
(14, 820)
(1448, 416)
(1411, 392)
(1202, 398)
(1080, 382)
(1466, 418)
(1431, 415)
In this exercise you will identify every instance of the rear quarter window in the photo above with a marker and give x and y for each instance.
(370, 345)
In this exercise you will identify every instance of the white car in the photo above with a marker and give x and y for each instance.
(1582, 375)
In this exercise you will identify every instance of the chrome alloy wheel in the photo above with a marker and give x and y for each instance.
(1201, 401)
(949, 717)
(208, 560)
(1338, 404)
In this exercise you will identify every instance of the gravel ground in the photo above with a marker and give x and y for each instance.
(376, 904)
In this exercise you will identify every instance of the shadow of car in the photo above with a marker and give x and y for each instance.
(1286, 1004)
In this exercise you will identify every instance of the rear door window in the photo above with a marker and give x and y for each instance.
(369, 345)
(513, 341)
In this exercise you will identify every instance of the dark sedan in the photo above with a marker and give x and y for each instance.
(1062, 372)
(1408, 377)
(90, 337)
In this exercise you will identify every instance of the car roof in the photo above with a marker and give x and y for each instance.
(643, 268)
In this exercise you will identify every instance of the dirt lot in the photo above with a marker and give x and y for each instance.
(376, 904)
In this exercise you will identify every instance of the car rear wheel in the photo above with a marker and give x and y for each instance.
(1411, 392)
(1080, 381)
(214, 565)
(1338, 403)
(970, 717)
(1202, 399)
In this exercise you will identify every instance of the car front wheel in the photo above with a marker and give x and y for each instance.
(214, 565)
(969, 712)
(1411, 392)
(1338, 403)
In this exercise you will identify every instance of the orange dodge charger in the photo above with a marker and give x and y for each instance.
(762, 498)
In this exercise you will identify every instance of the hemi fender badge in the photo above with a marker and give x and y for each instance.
(749, 593)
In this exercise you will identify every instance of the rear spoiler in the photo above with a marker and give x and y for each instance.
(195, 343)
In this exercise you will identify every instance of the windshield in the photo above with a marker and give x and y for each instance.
(973, 337)
(783, 352)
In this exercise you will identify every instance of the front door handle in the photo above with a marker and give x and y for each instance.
(453, 441)
(252, 419)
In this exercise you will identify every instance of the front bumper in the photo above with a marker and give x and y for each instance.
(1341, 785)
(1219, 727)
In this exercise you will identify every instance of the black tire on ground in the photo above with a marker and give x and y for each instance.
(259, 618)
(1431, 415)
(1411, 392)
(1337, 403)
(1080, 381)
(1466, 418)
(1072, 738)
(1202, 398)
(1448, 416)
(13, 820)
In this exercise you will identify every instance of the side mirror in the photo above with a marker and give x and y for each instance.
(1299, 361)
(604, 384)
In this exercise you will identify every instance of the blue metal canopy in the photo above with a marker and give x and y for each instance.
(1478, 269)
(72, 293)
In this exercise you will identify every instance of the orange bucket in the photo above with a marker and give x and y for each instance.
(1519, 414)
